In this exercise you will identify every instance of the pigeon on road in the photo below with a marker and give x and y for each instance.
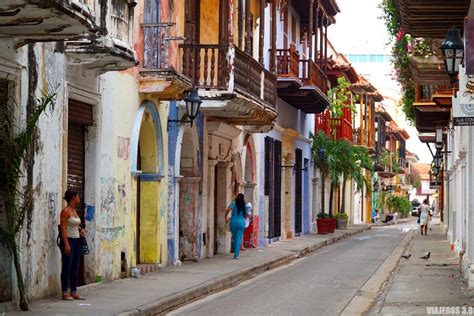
(426, 256)
(406, 256)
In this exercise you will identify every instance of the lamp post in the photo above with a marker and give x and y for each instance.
(322, 158)
(193, 104)
(453, 52)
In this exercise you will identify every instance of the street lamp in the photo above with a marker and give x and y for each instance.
(453, 52)
(439, 139)
(193, 103)
(438, 159)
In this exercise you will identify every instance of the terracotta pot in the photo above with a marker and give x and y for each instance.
(323, 225)
(332, 225)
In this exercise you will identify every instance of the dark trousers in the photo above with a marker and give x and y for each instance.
(70, 265)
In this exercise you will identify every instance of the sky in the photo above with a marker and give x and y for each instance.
(360, 31)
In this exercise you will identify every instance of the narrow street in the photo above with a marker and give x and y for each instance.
(322, 283)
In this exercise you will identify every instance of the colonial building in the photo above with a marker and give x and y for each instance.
(75, 145)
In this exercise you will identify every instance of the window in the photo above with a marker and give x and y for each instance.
(363, 58)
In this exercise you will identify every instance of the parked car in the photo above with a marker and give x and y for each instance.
(415, 205)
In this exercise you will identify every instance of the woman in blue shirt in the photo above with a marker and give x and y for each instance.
(237, 222)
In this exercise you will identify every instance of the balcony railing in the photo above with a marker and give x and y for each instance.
(289, 64)
(424, 93)
(287, 61)
(340, 126)
(362, 139)
(312, 75)
(208, 67)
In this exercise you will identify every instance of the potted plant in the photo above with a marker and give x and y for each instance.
(341, 220)
(323, 223)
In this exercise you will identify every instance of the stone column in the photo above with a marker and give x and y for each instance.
(316, 203)
(223, 198)
(210, 207)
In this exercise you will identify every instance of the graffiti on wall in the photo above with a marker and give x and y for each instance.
(123, 147)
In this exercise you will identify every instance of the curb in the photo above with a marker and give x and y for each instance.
(176, 300)
(367, 295)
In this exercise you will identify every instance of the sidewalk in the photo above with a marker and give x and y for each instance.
(418, 284)
(161, 291)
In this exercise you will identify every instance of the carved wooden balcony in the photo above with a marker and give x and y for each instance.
(432, 106)
(363, 139)
(38, 20)
(301, 83)
(341, 128)
(232, 83)
(111, 49)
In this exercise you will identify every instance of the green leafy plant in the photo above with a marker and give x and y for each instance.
(342, 215)
(322, 215)
(399, 204)
(340, 97)
(342, 161)
(14, 144)
(402, 45)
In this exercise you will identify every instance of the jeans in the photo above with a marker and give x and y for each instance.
(70, 265)
(237, 228)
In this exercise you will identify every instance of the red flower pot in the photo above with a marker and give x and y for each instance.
(323, 225)
(332, 225)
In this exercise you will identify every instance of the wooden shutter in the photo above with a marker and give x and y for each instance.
(79, 113)
(277, 188)
(79, 116)
(298, 191)
(268, 165)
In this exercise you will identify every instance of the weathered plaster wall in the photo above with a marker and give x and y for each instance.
(209, 18)
(40, 255)
(118, 203)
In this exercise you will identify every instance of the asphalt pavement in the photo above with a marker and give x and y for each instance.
(323, 283)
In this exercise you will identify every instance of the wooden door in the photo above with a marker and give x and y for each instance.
(298, 191)
(277, 188)
(269, 182)
(79, 117)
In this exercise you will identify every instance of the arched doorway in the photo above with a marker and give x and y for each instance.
(148, 170)
(249, 170)
(249, 185)
(189, 196)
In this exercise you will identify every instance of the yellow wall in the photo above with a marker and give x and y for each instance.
(149, 222)
(209, 20)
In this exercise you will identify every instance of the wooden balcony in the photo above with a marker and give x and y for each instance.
(159, 63)
(363, 139)
(425, 93)
(112, 48)
(432, 107)
(54, 20)
(233, 85)
(341, 126)
(432, 18)
(301, 83)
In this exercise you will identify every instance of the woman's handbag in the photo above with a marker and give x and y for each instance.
(84, 247)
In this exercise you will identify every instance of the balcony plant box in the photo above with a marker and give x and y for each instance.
(341, 220)
(323, 223)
